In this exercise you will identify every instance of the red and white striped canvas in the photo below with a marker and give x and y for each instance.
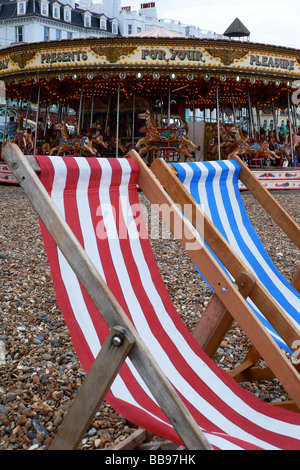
(99, 200)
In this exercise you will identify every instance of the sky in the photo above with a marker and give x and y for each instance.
(275, 22)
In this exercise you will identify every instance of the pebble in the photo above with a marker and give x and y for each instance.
(3, 410)
(41, 373)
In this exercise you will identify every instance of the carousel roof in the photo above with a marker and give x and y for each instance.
(158, 32)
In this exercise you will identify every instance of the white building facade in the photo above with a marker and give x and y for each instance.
(146, 18)
(135, 22)
(26, 21)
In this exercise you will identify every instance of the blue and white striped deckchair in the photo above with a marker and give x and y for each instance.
(214, 185)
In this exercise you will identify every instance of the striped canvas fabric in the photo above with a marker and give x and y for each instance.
(214, 185)
(99, 200)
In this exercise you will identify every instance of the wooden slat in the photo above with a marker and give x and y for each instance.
(214, 314)
(216, 320)
(160, 445)
(287, 405)
(169, 401)
(250, 360)
(133, 441)
(93, 391)
(296, 280)
(252, 373)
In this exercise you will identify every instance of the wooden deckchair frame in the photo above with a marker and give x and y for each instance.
(216, 320)
(123, 339)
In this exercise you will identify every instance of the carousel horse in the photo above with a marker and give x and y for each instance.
(50, 141)
(227, 139)
(46, 147)
(155, 138)
(67, 143)
(20, 121)
(264, 152)
(120, 145)
(24, 138)
(18, 137)
(242, 147)
(296, 141)
(232, 140)
(295, 138)
(28, 144)
(97, 138)
(90, 146)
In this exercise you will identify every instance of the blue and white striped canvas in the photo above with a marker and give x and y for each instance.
(214, 185)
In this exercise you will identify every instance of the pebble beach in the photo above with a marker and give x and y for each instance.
(40, 373)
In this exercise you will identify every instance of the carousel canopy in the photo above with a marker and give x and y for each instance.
(191, 70)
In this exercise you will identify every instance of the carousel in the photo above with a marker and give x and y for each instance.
(102, 97)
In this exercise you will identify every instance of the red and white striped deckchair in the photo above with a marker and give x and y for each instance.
(99, 201)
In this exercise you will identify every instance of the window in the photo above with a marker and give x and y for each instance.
(57, 34)
(130, 29)
(19, 33)
(69, 35)
(21, 8)
(55, 12)
(46, 33)
(67, 14)
(115, 28)
(44, 9)
(103, 23)
(87, 21)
